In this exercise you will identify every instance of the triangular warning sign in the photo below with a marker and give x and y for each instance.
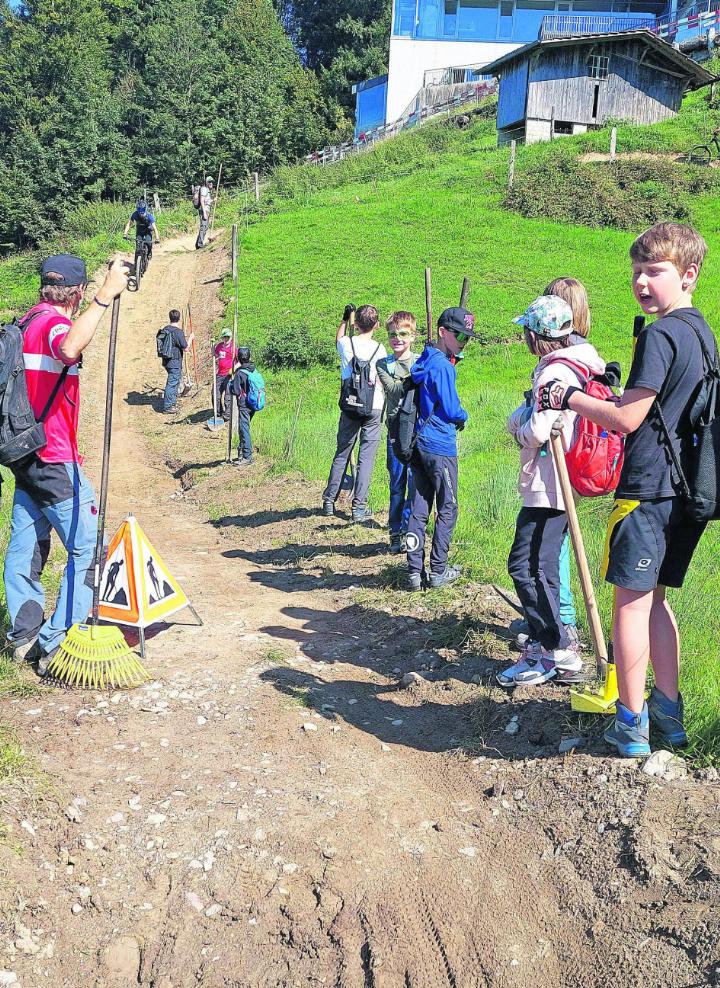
(137, 588)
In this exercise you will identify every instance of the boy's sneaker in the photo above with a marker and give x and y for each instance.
(328, 508)
(396, 543)
(629, 732)
(449, 575)
(666, 718)
(414, 581)
(508, 677)
(562, 664)
(362, 514)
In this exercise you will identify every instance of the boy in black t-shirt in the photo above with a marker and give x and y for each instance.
(651, 538)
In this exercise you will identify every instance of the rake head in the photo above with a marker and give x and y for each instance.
(97, 658)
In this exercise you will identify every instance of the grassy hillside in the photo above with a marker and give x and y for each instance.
(364, 230)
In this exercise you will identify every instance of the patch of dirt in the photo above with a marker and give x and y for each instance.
(274, 809)
(643, 156)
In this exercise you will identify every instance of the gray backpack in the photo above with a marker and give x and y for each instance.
(21, 433)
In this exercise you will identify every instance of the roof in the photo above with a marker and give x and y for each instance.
(697, 75)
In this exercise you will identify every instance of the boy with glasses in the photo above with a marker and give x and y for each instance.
(392, 372)
(434, 461)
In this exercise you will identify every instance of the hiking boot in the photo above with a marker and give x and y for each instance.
(629, 732)
(44, 660)
(27, 652)
(508, 677)
(396, 543)
(170, 411)
(666, 718)
(328, 508)
(449, 575)
(361, 514)
(414, 581)
(242, 462)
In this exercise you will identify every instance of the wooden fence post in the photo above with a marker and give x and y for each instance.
(156, 200)
(552, 124)
(511, 173)
(256, 183)
(613, 143)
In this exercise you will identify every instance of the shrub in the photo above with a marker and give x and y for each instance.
(294, 348)
(624, 194)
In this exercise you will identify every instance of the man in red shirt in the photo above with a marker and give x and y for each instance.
(224, 367)
(51, 490)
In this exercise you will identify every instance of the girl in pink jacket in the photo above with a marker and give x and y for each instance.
(541, 524)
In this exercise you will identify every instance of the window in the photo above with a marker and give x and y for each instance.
(404, 18)
(506, 19)
(598, 67)
(529, 16)
(429, 19)
(477, 20)
(450, 21)
(563, 127)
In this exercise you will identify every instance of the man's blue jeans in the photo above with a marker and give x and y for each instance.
(401, 492)
(174, 373)
(567, 604)
(75, 522)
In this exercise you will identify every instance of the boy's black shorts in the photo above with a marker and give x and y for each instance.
(649, 543)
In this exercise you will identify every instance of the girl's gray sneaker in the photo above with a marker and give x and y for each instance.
(450, 574)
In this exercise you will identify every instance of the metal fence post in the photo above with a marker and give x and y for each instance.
(511, 173)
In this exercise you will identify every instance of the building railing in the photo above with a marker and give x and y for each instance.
(422, 112)
(569, 25)
(456, 75)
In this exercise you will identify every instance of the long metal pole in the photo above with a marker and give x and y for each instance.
(105, 476)
(228, 458)
(428, 304)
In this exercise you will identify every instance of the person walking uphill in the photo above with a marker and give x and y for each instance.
(204, 202)
(434, 460)
(51, 490)
(171, 345)
(361, 406)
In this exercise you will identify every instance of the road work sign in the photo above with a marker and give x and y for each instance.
(137, 588)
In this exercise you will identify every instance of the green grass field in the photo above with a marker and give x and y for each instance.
(363, 231)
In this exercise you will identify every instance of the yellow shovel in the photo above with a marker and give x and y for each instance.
(600, 697)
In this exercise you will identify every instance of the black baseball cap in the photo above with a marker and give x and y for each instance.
(64, 270)
(458, 320)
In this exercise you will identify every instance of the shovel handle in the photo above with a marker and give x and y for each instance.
(428, 303)
(591, 608)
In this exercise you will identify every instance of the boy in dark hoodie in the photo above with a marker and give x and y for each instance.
(239, 388)
(434, 462)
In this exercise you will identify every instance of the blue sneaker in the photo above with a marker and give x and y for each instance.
(666, 718)
(629, 732)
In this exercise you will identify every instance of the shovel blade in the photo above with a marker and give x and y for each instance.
(214, 425)
(600, 698)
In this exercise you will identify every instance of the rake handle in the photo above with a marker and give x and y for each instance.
(591, 608)
(105, 475)
(428, 304)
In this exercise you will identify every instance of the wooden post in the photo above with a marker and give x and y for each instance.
(215, 202)
(552, 124)
(228, 458)
(613, 143)
(511, 173)
(464, 293)
(156, 200)
(256, 183)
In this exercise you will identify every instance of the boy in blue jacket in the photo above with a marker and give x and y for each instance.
(434, 461)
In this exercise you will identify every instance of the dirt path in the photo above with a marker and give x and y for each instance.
(275, 810)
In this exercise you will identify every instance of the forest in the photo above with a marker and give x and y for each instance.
(100, 99)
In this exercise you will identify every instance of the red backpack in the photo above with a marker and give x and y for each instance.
(595, 459)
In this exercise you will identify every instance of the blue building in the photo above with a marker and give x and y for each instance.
(432, 35)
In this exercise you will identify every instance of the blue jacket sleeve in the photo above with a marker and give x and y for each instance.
(449, 405)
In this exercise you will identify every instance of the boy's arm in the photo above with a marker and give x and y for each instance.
(154, 231)
(393, 386)
(448, 399)
(345, 320)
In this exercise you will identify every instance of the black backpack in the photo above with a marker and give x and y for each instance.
(699, 481)
(21, 433)
(401, 427)
(165, 343)
(357, 393)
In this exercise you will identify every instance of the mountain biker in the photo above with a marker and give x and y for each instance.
(145, 228)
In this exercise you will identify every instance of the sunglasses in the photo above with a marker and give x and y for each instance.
(461, 337)
(394, 335)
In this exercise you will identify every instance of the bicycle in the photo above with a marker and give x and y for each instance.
(702, 154)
